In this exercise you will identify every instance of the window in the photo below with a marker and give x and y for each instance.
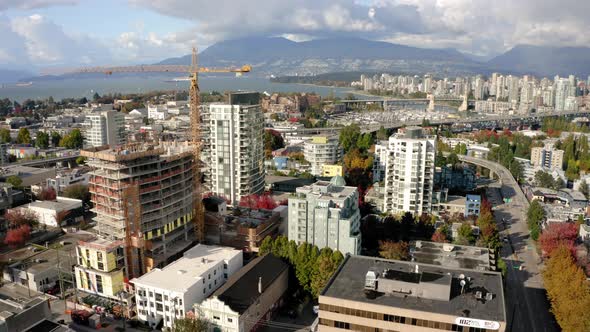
(158, 306)
(225, 266)
(100, 266)
(214, 272)
(342, 325)
(99, 256)
(216, 317)
(99, 284)
(203, 290)
(158, 297)
(229, 320)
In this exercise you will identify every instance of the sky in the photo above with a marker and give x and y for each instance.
(64, 33)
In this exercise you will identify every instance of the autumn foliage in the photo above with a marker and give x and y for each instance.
(256, 202)
(16, 237)
(17, 218)
(439, 236)
(394, 250)
(556, 235)
(568, 291)
(47, 194)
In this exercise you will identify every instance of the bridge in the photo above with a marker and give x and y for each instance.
(391, 104)
(486, 122)
(47, 162)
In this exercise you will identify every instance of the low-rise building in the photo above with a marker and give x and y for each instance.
(61, 212)
(451, 255)
(68, 177)
(251, 295)
(100, 268)
(22, 309)
(29, 175)
(370, 294)
(169, 293)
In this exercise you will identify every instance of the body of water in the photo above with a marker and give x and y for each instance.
(86, 87)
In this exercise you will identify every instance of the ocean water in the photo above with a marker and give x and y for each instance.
(86, 87)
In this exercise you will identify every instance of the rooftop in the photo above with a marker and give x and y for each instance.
(133, 151)
(324, 190)
(187, 270)
(425, 289)
(61, 204)
(240, 291)
(15, 298)
(451, 255)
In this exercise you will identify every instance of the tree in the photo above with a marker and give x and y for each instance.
(544, 179)
(77, 191)
(256, 202)
(382, 134)
(584, 188)
(535, 214)
(465, 234)
(568, 291)
(440, 235)
(453, 159)
(15, 181)
(5, 136)
(516, 170)
(190, 324)
(96, 96)
(16, 237)
(558, 235)
(73, 140)
(23, 137)
(55, 138)
(394, 250)
(326, 265)
(47, 194)
(42, 141)
(18, 217)
(349, 136)
(573, 171)
(81, 160)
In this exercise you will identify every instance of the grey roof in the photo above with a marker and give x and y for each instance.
(349, 281)
(451, 255)
(338, 181)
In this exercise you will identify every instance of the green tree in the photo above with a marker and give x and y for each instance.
(77, 191)
(73, 140)
(382, 134)
(516, 170)
(326, 265)
(364, 141)
(5, 136)
(42, 141)
(23, 137)
(15, 181)
(81, 160)
(465, 234)
(453, 159)
(584, 188)
(189, 324)
(572, 171)
(55, 138)
(96, 96)
(535, 214)
(349, 136)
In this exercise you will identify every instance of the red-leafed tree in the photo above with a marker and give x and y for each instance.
(439, 236)
(16, 237)
(254, 202)
(47, 194)
(486, 206)
(18, 217)
(562, 234)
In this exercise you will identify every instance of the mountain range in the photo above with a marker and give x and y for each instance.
(280, 56)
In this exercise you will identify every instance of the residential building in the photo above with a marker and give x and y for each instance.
(105, 128)
(547, 157)
(409, 177)
(250, 296)
(472, 205)
(443, 203)
(326, 214)
(67, 177)
(58, 213)
(233, 147)
(100, 268)
(169, 293)
(158, 180)
(370, 294)
(245, 228)
(320, 151)
(157, 112)
(562, 91)
(330, 171)
(380, 161)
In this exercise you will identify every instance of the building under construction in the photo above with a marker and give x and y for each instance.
(143, 196)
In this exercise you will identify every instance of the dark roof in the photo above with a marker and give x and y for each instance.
(241, 289)
(348, 283)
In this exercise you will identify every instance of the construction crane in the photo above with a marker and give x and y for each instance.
(193, 70)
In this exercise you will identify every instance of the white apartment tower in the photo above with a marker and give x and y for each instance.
(320, 151)
(105, 128)
(409, 175)
(233, 146)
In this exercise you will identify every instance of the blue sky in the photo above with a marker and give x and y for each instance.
(65, 33)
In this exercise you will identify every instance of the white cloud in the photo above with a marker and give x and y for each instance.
(33, 4)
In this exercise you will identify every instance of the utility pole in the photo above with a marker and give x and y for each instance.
(61, 284)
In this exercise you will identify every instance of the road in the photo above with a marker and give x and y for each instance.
(527, 307)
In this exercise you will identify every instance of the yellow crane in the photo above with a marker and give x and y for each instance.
(193, 70)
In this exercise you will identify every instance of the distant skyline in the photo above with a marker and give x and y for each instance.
(62, 33)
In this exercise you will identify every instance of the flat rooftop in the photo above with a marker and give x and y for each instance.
(348, 283)
(187, 270)
(60, 204)
(15, 298)
(324, 190)
(451, 255)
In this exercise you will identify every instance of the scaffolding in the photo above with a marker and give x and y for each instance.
(134, 242)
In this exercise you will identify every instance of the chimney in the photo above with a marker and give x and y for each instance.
(259, 285)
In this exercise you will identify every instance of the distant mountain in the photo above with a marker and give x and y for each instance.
(544, 60)
(13, 76)
(284, 57)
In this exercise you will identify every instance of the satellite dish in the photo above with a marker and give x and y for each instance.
(461, 276)
(462, 283)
